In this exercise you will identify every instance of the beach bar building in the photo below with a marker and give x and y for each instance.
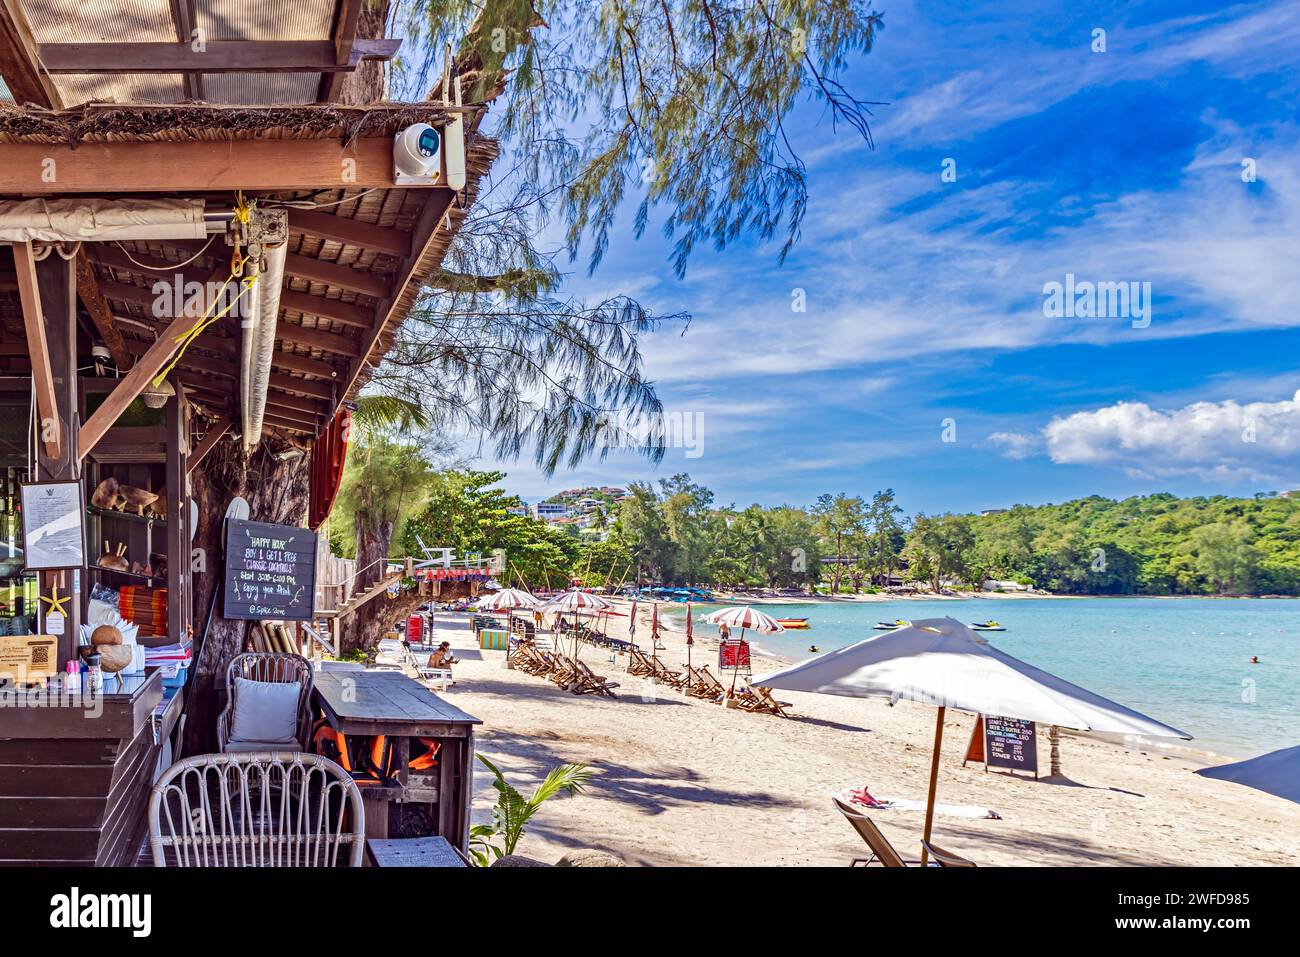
(214, 225)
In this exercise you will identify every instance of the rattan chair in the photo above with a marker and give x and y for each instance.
(256, 809)
(277, 667)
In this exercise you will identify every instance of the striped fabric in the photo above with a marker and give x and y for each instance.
(507, 598)
(744, 617)
(572, 601)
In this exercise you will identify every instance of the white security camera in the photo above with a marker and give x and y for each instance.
(416, 159)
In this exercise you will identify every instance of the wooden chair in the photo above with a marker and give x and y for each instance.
(638, 664)
(587, 682)
(709, 687)
(665, 675)
(760, 700)
(275, 667)
(944, 858)
(256, 809)
(882, 851)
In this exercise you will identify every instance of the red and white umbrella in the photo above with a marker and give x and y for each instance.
(743, 617)
(575, 603)
(508, 599)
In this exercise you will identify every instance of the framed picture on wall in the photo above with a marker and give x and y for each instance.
(54, 530)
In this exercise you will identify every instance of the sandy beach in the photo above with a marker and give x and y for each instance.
(686, 782)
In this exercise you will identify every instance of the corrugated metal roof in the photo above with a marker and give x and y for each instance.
(150, 21)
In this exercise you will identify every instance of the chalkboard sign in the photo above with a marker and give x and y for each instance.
(270, 571)
(1010, 743)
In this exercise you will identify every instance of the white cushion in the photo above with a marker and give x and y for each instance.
(265, 712)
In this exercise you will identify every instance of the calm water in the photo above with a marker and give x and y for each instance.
(1182, 661)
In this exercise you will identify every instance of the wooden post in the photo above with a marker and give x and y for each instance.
(56, 293)
(934, 781)
(1054, 736)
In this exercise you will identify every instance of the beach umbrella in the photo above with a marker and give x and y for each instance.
(742, 617)
(941, 662)
(631, 625)
(1277, 772)
(575, 603)
(654, 636)
(508, 599)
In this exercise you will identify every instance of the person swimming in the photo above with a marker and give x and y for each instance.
(1254, 659)
(813, 648)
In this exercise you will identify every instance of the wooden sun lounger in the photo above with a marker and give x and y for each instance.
(638, 664)
(587, 682)
(709, 687)
(760, 700)
(664, 674)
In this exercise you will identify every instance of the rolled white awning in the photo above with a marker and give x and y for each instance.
(91, 219)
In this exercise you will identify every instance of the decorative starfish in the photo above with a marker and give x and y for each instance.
(56, 603)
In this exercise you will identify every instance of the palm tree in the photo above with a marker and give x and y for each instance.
(512, 811)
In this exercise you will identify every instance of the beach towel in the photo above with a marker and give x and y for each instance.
(863, 798)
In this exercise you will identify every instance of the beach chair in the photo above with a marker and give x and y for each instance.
(709, 687)
(942, 858)
(663, 674)
(638, 664)
(586, 682)
(755, 698)
(882, 852)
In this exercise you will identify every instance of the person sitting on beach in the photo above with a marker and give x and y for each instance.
(442, 657)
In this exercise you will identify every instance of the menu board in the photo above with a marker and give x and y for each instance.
(1010, 743)
(733, 655)
(270, 571)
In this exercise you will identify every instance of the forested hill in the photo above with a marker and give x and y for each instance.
(1154, 544)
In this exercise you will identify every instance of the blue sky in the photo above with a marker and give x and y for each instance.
(925, 297)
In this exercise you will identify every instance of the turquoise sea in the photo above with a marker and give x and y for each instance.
(1182, 661)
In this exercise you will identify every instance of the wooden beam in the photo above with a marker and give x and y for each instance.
(316, 339)
(27, 84)
(342, 312)
(132, 384)
(183, 18)
(39, 350)
(340, 229)
(295, 267)
(92, 297)
(135, 381)
(423, 237)
(160, 166)
(209, 441)
(373, 284)
(345, 35)
(214, 56)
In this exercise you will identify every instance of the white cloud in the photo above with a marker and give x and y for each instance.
(1220, 441)
(1016, 445)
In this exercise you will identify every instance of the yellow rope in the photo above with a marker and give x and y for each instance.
(243, 213)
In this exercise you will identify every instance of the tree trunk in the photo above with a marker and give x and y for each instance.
(362, 630)
(276, 491)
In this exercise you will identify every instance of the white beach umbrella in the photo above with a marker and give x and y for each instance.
(943, 663)
(1277, 772)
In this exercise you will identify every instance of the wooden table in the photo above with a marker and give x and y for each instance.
(369, 703)
(414, 852)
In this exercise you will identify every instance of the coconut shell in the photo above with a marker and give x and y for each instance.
(113, 658)
(105, 494)
(106, 635)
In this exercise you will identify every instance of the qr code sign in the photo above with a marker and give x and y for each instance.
(40, 655)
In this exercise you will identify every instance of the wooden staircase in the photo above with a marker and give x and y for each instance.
(358, 599)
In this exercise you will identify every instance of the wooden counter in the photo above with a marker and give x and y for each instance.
(369, 703)
(75, 771)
